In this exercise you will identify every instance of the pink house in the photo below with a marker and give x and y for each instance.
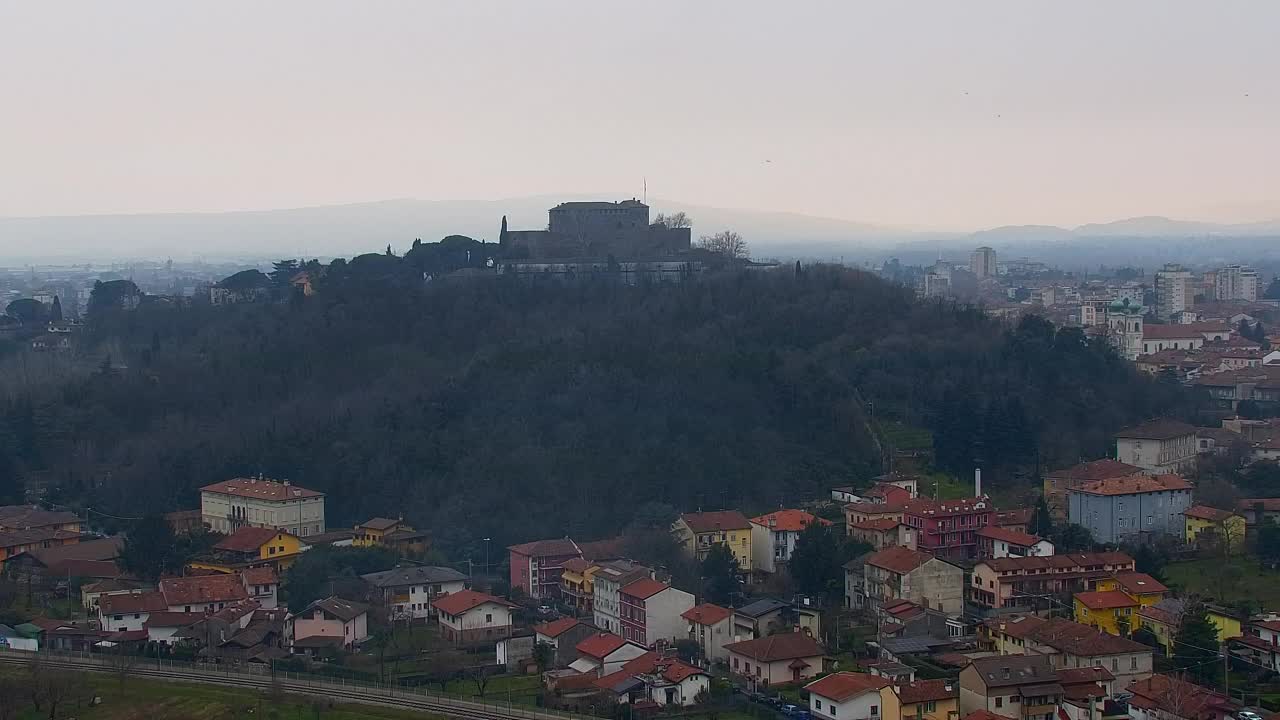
(536, 567)
(331, 621)
(948, 528)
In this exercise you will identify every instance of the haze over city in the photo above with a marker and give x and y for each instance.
(939, 116)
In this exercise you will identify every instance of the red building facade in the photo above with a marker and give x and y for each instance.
(536, 567)
(948, 528)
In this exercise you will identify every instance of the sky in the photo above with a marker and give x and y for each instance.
(942, 115)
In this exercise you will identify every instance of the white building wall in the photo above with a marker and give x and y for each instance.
(683, 693)
(302, 516)
(662, 615)
(854, 708)
(488, 615)
(605, 606)
(761, 548)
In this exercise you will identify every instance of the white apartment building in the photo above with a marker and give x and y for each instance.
(1236, 282)
(982, 263)
(259, 502)
(612, 576)
(1173, 290)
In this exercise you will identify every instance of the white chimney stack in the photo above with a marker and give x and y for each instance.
(977, 482)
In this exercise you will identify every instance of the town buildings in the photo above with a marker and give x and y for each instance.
(650, 612)
(1120, 509)
(604, 654)
(654, 680)
(470, 616)
(853, 695)
(230, 505)
(781, 658)
(929, 699)
(982, 263)
(773, 537)
(1024, 687)
(1204, 525)
(1158, 446)
(1021, 582)
(407, 592)
(596, 230)
(563, 635)
(1173, 290)
(1236, 282)
(948, 528)
(332, 622)
(883, 533)
(538, 567)
(711, 626)
(998, 542)
(577, 584)
(698, 532)
(898, 573)
(609, 579)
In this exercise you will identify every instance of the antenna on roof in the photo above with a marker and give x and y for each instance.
(645, 192)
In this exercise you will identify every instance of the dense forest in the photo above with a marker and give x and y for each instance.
(514, 411)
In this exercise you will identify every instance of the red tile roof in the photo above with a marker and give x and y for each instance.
(1204, 512)
(247, 539)
(644, 588)
(784, 646)
(555, 547)
(1135, 484)
(844, 685)
(600, 645)
(928, 690)
(577, 565)
(556, 628)
(1012, 537)
(1107, 600)
(1268, 504)
(202, 589)
(379, 523)
(97, 569)
(1140, 583)
(1096, 470)
(1064, 562)
(144, 602)
(706, 614)
(259, 576)
(1162, 429)
(464, 600)
(1076, 639)
(261, 489)
(715, 521)
(983, 715)
(869, 508)
(925, 507)
(603, 549)
(1160, 615)
(1016, 516)
(790, 520)
(898, 559)
(877, 525)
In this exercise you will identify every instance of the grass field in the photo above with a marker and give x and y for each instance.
(155, 700)
(1224, 581)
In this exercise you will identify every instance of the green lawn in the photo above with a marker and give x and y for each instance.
(1226, 582)
(155, 700)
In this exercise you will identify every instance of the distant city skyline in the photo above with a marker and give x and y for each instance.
(935, 115)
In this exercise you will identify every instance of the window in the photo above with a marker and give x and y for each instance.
(117, 617)
(748, 668)
(930, 706)
(488, 617)
(999, 701)
(875, 710)
(817, 704)
(271, 550)
(1133, 662)
(832, 710)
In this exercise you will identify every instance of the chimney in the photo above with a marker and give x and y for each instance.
(977, 482)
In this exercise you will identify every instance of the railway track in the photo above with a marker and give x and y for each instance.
(387, 697)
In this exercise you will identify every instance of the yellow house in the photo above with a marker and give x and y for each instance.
(1112, 612)
(1222, 526)
(1162, 624)
(253, 545)
(699, 532)
(930, 700)
(370, 532)
(1228, 623)
(1140, 587)
(578, 584)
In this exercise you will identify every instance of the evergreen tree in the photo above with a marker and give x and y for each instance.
(1042, 519)
(151, 549)
(1268, 543)
(56, 312)
(282, 271)
(1195, 646)
(815, 561)
(720, 575)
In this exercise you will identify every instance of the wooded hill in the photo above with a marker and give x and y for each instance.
(495, 409)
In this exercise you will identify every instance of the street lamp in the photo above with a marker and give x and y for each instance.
(486, 557)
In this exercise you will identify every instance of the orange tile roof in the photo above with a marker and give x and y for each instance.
(1140, 583)
(600, 645)
(1012, 537)
(788, 520)
(1162, 429)
(928, 690)
(898, 559)
(261, 489)
(1096, 470)
(1108, 600)
(715, 521)
(556, 628)
(644, 588)
(1204, 512)
(464, 600)
(878, 524)
(547, 548)
(248, 539)
(260, 576)
(1135, 484)
(706, 614)
(784, 646)
(132, 603)
(844, 685)
(202, 589)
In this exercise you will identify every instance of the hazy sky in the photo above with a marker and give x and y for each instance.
(927, 114)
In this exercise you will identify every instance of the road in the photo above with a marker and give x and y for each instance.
(338, 692)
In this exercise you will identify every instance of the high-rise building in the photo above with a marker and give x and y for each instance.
(982, 263)
(1236, 282)
(1173, 285)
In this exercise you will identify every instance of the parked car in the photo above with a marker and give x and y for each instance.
(790, 710)
(1248, 715)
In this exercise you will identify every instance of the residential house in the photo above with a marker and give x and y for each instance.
(657, 681)
(1059, 482)
(1112, 612)
(1162, 620)
(1259, 643)
(1229, 622)
(202, 593)
(1069, 644)
(1024, 687)
(882, 533)
(118, 613)
(859, 512)
(61, 636)
(1259, 510)
(853, 695)
(844, 494)
(1122, 509)
(650, 612)
(263, 585)
(898, 573)
(1161, 697)
(259, 502)
(470, 616)
(761, 617)
(1158, 446)
(254, 546)
(776, 659)
(392, 533)
(563, 636)
(338, 621)
(1141, 587)
(1205, 525)
(604, 654)
(1087, 695)
(930, 699)
(43, 572)
(16, 542)
(948, 528)
(773, 536)
(711, 627)
(536, 567)
(407, 592)
(1015, 519)
(998, 542)
(163, 627)
(184, 522)
(904, 481)
(577, 585)
(32, 517)
(698, 532)
(90, 592)
(1020, 582)
(607, 581)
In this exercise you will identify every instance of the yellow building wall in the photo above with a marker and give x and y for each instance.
(366, 537)
(1228, 627)
(942, 709)
(1235, 529)
(1143, 599)
(1163, 633)
(1106, 620)
(283, 544)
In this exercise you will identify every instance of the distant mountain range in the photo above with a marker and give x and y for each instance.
(344, 230)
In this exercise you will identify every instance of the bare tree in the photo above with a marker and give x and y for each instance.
(481, 674)
(727, 243)
(122, 663)
(674, 220)
(11, 690)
